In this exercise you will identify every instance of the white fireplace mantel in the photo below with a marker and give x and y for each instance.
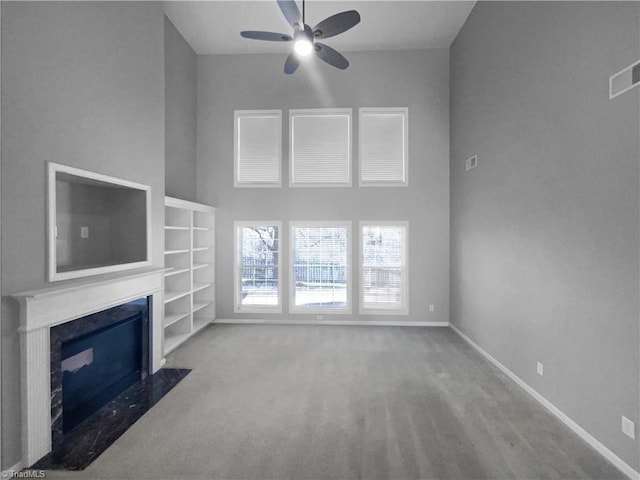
(42, 309)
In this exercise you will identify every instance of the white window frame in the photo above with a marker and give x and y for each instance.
(404, 112)
(237, 115)
(404, 310)
(331, 224)
(237, 291)
(321, 112)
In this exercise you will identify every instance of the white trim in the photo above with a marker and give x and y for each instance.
(383, 311)
(237, 115)
(237, 307)
(53, 275)
(329, 224)
(362, 323)
(186, 204)
(321, 112)
(582, 433)
(404, 111)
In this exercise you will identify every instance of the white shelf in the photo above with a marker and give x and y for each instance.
(171, 318)
(199, 306)
(200, 322)
(200, 286)
(175, 271)
(173, 252)
(170, 296)
(198, 221)
(173, 341)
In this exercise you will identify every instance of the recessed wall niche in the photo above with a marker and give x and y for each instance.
(97, 224)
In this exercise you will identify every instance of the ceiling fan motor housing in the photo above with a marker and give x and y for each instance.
(305, 34)
(303, 41)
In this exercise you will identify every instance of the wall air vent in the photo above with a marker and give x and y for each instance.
(624, 80)
(471, 163)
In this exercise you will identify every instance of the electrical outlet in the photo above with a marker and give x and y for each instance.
(540, 369)
(628, 428)
(432, 308)
(84, 232)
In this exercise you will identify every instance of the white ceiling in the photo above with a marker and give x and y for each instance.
(213, 27)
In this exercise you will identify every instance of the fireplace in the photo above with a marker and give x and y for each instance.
(93, 359)
(43, 311)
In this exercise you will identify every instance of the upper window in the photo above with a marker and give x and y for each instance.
(383, 282)
(383, 147)
(257, 148)
(257, 276)
(320, 151)
(321, 264)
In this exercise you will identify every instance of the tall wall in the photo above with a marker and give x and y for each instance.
(544, 232)
(415, 79)
(180, 114)
(82, 85)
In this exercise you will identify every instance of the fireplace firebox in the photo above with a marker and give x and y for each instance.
(98, 366)
(95, 358)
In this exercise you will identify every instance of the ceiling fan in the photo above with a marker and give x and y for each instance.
(304, 37)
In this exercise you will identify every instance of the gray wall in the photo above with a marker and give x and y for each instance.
(82, 85)
(415, 79)
(180, 114)
(80, 205)
(544, 232)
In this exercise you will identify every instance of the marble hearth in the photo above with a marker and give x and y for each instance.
(40, 310)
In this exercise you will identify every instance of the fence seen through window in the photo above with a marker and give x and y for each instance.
(259, 265)
(320, 266)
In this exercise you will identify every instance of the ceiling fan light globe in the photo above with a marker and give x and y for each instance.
(303, 47)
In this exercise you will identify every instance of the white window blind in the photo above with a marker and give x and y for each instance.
(320, 147)
(257, 279)
(320, 273)
(258, 148)
(383, 146)
(383, 283)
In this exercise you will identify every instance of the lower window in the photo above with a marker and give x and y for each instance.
(383, 282)
(321, 267)
(257, 276)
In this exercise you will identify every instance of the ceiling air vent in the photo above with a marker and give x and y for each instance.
(624, 80)
(471, 163)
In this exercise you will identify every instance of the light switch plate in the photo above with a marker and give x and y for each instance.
(84, 232)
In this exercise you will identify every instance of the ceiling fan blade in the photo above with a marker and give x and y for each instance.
(291, 12)
(331, 56)
(292, 63)
(269, 36)
(335, 24)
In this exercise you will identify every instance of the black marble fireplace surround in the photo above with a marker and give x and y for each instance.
(81, 328)
(76, 448)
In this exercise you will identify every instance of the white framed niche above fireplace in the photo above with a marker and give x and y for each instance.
(96, 223)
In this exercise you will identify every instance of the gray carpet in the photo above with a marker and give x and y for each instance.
(316, 402)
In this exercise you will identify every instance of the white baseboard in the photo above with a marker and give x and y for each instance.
(382, 323)
(586, 436)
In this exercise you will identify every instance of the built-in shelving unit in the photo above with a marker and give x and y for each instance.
(189, 277)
